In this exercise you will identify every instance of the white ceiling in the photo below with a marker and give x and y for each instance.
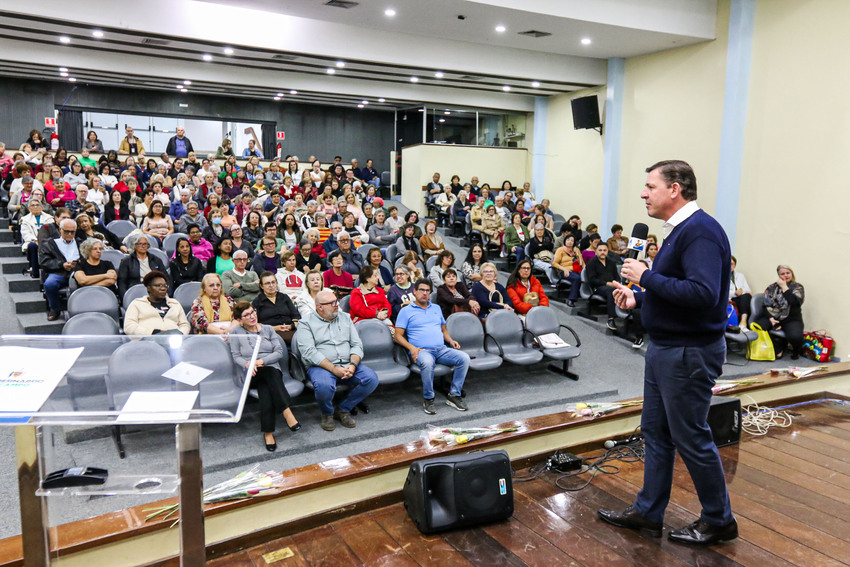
(280, 46)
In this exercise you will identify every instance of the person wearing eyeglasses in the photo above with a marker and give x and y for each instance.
(426, 338)
(57, 258)
(155, 313)
(332, 350)
(137, 264)
(241, 282)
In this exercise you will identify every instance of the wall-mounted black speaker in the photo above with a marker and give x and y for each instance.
(586, 112)
(464, 490)
(724, 419)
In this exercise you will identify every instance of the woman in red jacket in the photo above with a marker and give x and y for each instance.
(522, 286)
(368, 300)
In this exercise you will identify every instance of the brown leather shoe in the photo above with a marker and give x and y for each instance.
(345, 418)
(629, 518)
(700, 533)
(328, 423)
(52, 315)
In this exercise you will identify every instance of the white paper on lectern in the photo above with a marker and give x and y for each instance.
(148, 407)
(187, 373)
(29, 375)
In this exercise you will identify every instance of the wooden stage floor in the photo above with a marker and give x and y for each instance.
(790, 492)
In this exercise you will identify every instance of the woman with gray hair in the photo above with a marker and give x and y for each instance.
(138, 264)
(91, 270)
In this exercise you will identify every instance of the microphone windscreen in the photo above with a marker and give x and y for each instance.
(610, 444)
(640, 231)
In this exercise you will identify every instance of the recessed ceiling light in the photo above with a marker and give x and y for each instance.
(63, 74)
(279, 94)
(439, 74)
(228, 51)
(446, 112)
(207, 57)
(178, 86)
(585, 41)
(184, 90)
(421, 110)
(63, 69)
(331, 70)
(535, 84)
(389, 12)
(442, 119)
(97, 33)
(364, 102)
(360, 105)
(506, 88)
(64, 39)
(500, 28)
(293, 91)
(72, 79)
(277, 98)
(382, 100)
(340, 64)
(414, 79)
(187, 82)
(183, 105)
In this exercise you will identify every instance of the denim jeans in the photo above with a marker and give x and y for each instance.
(428, 359)
(52, 285)
(362, 384)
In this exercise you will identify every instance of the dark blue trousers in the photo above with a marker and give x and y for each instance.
(676, 398)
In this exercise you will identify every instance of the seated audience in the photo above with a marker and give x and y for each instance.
(421, 329)
(305, 259)
(116, 209)
(600, 271)
(400, 293)
(57, 258)
(352, 259)
(222, 260)
(584, 243)
(137, 264)
(408, 241)
(412, 217)
(212, 311)
(568, 264)
(215, 231)
(375, 259)
(740, 293)
(336, 278)
(489, 293)
(517, 236)
(191, 217)
(445, 260)
(87, 228)
(589, 253)
(184, 267)
(331, 349)
(524, 289)
(275, 308)
(381, 234)
(444, 203)
(201, 247)
(431, 242)
(493, 225)
(267, 374)
(290, 280)
(541, 247)
(267, 260)
(618, 244)
(783, 310)
(157, 224)
(155, 313)
(30, 226)
(368, 300)
(471, 269)
(91, 270)
(239, 241)
(453, 296)
(240, 282)
(306, 300)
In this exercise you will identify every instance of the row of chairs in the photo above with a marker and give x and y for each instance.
(96, 299)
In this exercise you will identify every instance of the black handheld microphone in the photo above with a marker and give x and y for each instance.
(610, 444)
(637, 242)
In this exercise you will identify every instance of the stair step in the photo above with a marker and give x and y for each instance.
(9, 250)
(6, 236)
(30, 302)
(4, 222)
(14, 265)
(37, 324)
(19, 283)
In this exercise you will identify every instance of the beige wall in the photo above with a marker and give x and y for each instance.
(574, 160)
(794, 192)
(491, 165)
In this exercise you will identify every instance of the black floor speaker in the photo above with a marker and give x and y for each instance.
(724, 419)
(458, 491)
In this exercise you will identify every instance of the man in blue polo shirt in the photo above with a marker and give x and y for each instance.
(427, 336)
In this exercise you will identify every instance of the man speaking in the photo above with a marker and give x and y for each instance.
(684, 312)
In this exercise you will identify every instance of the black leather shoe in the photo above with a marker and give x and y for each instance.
(705, 534)
(295, 427)
(629, 518)
(270, 447)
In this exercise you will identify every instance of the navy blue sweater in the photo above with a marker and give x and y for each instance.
(688, 287)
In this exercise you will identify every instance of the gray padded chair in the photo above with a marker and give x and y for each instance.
(92, 299)
(392, 253)
(222, 388)
(345, 303)
(504, 331)
(364, 252)
(379, 352)
(542, 320)
(169, 245)
(121, 228)
(466, 329)
(739, 342)
(135, 366)
(430, 263)
(159, 254)
(113, 256)
(86, 378)
(586, 293)
(756, 309)
(134, 292)
(186, 294)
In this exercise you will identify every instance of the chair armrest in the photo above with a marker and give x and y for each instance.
(574, 334)
(495, 342)
(401, 356)
(297, 368)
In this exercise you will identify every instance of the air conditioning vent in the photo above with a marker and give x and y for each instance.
(535, 33)
(284, 57)
(342, 4)
(155, 42)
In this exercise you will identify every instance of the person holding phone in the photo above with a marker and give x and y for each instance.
(58, 257)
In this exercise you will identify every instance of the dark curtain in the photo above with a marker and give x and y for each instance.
(70, 126)
(269, 139)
